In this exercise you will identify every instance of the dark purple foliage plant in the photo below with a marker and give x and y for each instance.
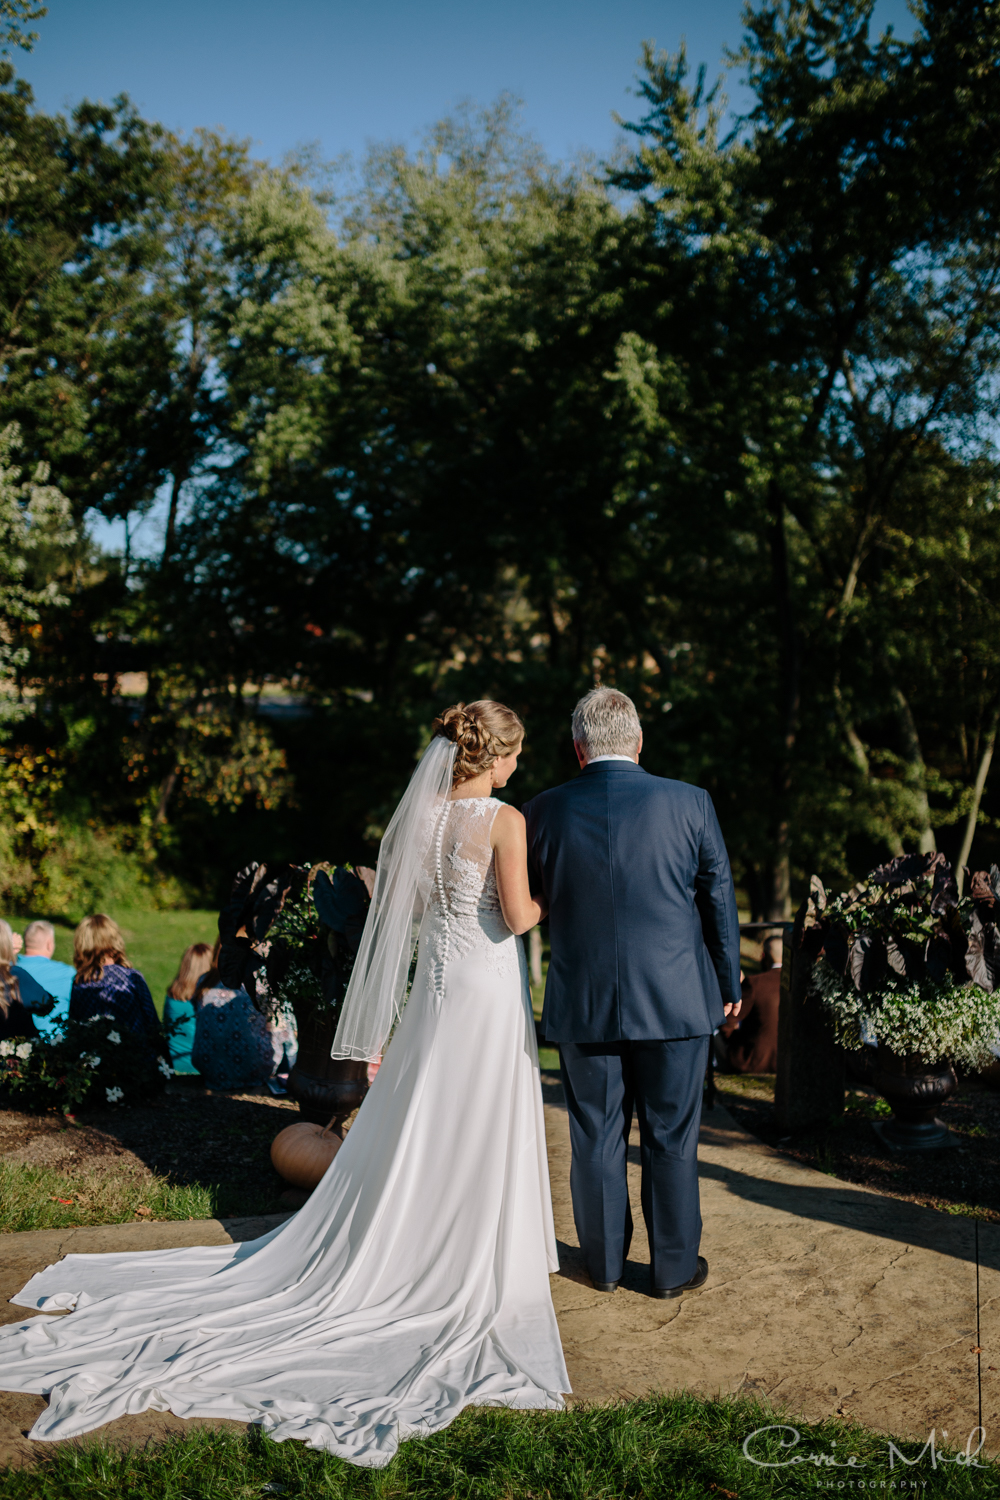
(290, 933)
(902, 959)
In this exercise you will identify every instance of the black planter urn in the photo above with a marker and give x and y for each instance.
(915, 1089)
(324, 1086)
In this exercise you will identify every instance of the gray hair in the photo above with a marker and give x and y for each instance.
(38, 932)
(605, 723)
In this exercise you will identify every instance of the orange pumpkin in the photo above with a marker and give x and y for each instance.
(301, 1153)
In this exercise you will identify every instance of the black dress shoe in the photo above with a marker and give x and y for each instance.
(698, 1279)
(606, 1286)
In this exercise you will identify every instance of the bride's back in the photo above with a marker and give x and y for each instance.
(460, 873)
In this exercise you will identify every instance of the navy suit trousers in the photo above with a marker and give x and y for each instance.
(605, 1083)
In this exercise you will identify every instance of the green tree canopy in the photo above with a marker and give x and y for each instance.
(718, 425)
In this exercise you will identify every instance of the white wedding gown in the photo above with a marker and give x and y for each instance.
(413, 1283)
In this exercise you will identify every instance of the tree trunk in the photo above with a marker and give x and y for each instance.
(779, 898)
(166, 792)
(972, 817)
(917, 767)
(177, 479)
(778, 879)
(809, 1086)
(169, 781)
(860, 757)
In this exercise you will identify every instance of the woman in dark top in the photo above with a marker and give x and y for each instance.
(106, 984)
(15, 1019)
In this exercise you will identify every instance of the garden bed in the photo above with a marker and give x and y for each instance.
(187, 1154)
(957, 1181)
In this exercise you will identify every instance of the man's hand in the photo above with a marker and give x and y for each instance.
(733, 1010)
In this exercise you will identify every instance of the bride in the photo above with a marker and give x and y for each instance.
(414, 1282)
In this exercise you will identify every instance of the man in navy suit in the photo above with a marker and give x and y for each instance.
(644, 965)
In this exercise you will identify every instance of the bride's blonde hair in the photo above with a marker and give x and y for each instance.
(483, 731)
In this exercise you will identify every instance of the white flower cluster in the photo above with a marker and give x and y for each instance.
(114, 1095)
(164, 1067)
(114, 1037)
(91, 1059)
(16, 1049)
(938, 1022)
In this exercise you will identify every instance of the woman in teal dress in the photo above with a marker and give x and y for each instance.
(179, 1008)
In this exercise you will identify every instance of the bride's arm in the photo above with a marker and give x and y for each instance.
(521, 910)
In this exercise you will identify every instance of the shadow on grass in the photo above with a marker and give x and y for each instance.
(187, 1154)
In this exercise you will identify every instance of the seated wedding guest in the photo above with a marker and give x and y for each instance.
(749, 1044)
(283, 1030)
(106, 983)
(55, 978)
(232, 1044)
(179, 1007)
(15, 1019)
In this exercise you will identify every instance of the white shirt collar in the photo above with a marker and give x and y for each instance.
(595, 758)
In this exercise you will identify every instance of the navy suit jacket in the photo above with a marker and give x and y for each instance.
(645, 940)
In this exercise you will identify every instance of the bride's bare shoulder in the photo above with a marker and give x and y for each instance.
(508, 826)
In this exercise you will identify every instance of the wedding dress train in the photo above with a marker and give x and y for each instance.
(413, 1283)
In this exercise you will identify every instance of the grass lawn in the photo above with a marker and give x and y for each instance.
(155, 941)
(185, 1155)
(40, 1198)
(678, 1447)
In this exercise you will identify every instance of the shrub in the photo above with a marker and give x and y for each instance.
(903, 959)
(290, 935)
(54, 860)
(85, 869)
(97, 1062)
(68, 870)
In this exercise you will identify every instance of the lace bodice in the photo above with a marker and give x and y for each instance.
(462, 906)
(461, 880)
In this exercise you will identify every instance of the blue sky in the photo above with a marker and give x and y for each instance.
(346, 73)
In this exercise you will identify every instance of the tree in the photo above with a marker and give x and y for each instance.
(855, 302)
(720, 429)
(14, 14)
(110, 277)
(35, 526)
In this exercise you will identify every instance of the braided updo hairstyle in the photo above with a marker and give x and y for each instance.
(483, 731)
